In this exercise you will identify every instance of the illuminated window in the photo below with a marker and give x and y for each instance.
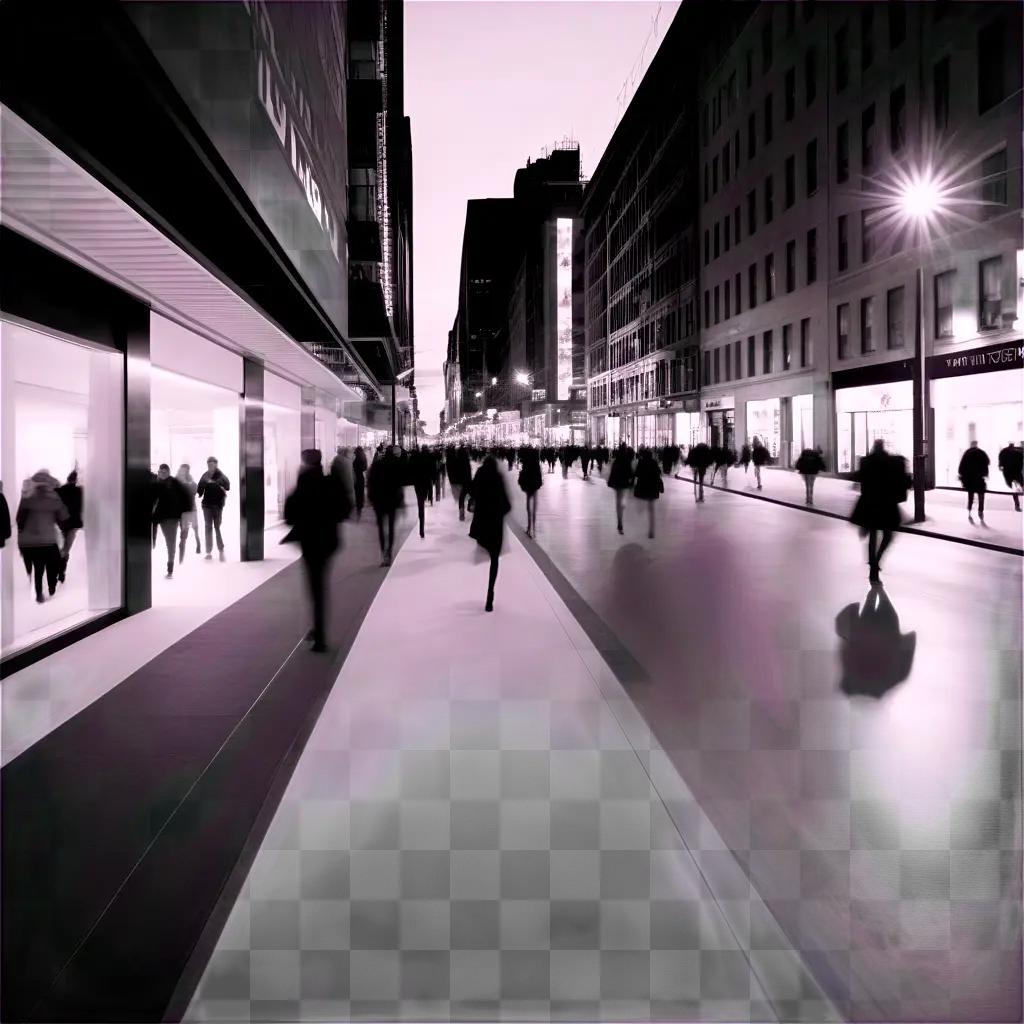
(944, 304)
(843, 329)
(894, 317)
(990, 274)
(867, 325)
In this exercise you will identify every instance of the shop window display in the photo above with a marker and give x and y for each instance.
(62, 413)
(874, 411)
(764, 420)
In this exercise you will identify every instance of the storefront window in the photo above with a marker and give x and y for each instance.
(282, 443)
(803, 423)
(875, 411)
(62, 412)
(764, 420)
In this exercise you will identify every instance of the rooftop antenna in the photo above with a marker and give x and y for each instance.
(636, 72)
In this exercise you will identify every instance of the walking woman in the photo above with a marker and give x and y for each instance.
(189, 518)
(760, 457)
(490, 506)
(359, 465)
(620, 478)
(39, 514)
(884, 483)
(809, 465)
(530, 482)
(649, 485)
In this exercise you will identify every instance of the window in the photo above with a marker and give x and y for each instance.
(897, 118)
(726, 164)
(751, 357)
(728, 362)
(897, 23)
(751, 212)
(790, 266)
(714, 176)
(767, 344)
(787, 343)
(737, 352)
(752, 286)
(717, 305)
(990, 274)
(867, 36)
(789, 100)
(751, 137)
(868, 226)
(707, 369)
(736, 224)
(766, 41)
(805, 341)
(867, 137)
(726, 223)
(707, 247)
(993, 183)
(894, 317)
(707, 307)
(738, 292)
(843, 329)
(790, 181)
(843, 242)
(842, 58)
(811, 167)
(810, 77)
(718, 236)
(727, 297)
(944, 304)
(718, 365)
(768, 119)
(812, 256)
(843, 152)
(769, 200)
(769, 277)
(940, 94)
(867, 324)
(992, 76)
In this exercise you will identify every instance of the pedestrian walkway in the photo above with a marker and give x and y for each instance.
(482, 827)
(946, 510)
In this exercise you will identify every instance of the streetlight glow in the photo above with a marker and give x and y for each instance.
(921, 198)
(522, 377)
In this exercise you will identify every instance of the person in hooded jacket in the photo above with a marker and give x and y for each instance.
(385, 492)
(620, 478)
(40, 512)
(189, 518)
(884, 482)
(1011, 465)
(649, 485)
(170, 503)
(359, 466)
(490, 506)
(973, 471)
(698, 458)
(809, 465)
(71, 494)
(530, 482)
(313, 511)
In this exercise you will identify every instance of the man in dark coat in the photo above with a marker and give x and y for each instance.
(620, 478)
(1011, 463)
(698, 458)
(170, 501)
(213, 489)
(810, 463)
(71, 494)
(490, 506)
(359, 465)
(460, 474)
(424, 466)
(973, 470)
(884, 482)
(385, 487)
(313, 511)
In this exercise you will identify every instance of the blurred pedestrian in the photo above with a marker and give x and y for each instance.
(190, 517)
(620, 478)
(698, 458)
(809, 465)
(530, 482)
(213, 488)
(359, 466)
(1011, 463)
(460, 473)
(71, 494)
(39, 514)
(745, 457)
(649, 485)
(973, 471)
(169, 504)
(490, 506)
(385, 492)
(424, 467)
(760, 456)
(586, 457)
(884, 483)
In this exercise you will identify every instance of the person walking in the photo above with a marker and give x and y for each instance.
(760, 456)
(170, 503)
(490, 506)
(40, 513)
(973, 471)
(620, 478)
(884, 483)
(213, 488)
(745, 458)
(71, 494)
(530, 482)
(1011, 464)
(344, 478)
(385, 492)
(423, 469)
(698, 458)
(586, 457)
(649, 485)
(460, 474)
(809, 465)
(313, 511)
(439, 472)
(359, 465)
(190, 517)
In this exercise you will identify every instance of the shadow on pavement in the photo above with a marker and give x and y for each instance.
(874, 655)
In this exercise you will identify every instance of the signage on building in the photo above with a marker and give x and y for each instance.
(507, 416)
(723, 402)
(578, 417)
(1006, 356)
(563, 299)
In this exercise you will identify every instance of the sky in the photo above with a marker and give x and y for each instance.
(489, 83)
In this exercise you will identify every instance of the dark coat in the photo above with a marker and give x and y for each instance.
(424, 472)
(359, 463)
(745, 455)
(649, 484)
(385, 484)
(459, 470)
(71, 495)
(313, 511)
(884, 481)
(760, 455)
(530, 477)
(1011, 462)
(973, 469)
(170, 500)
(810, 462)
(5, 521)
(490, 506)
(620, 475)
(699, 457)
(213, 489)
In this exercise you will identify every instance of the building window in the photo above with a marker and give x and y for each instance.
(707, 370)
(993, 183)
(812, 256)
(868, 230)
(867, 36)
(867, 324)
(751, 357)
(790, 266)
(766, 41)
(768, 119)
(843, 242)
(752, 286)
(867, 137)
(718, 365)
(894, 317)
(990, 274)
(992, 77)
(842, 58)
(940, 94)
(736, 224)
(767, 344)
(843, 152)
(737, 351)
(769, 277)
(707, 307)
(738, 292)
(769, 200)
(726, 224)
(707, 247)
(751, 212)
(897, 23)
(717, 305)
(810, 76)
(728, 362)
(751, 136)
(944, 304)
(787, 343)
(727, 297)
(718, 237)
(789, 101)
(790, 181)
(811, 166)
(726, 164)
(843, 329)
(805, 342)
(897, 118)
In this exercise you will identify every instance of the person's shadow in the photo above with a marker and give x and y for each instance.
(874, 655)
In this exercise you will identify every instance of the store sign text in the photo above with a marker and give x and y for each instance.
(997, 357)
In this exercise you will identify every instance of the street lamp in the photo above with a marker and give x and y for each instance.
(522, 377)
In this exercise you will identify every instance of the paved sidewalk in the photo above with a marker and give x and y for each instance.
(482, 828)
(1003, 528)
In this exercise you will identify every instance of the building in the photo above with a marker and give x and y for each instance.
(177, 241)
